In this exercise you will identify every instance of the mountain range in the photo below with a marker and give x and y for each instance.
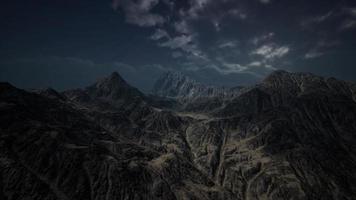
(292, 136)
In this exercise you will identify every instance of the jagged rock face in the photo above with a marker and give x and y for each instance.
(290, 137)
(286, 89)
(112, 91)
(175, 84)
(192, 95)
(50, 93)
(113, 88)
(51, 150)
(353, 88)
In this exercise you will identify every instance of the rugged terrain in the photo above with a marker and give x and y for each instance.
(190, 95)
(293, 136)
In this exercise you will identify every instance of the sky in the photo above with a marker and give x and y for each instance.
(71, 43)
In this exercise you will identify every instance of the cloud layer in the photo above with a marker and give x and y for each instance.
(189, 25)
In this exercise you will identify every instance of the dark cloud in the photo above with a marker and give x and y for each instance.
(321, 48)
(265, 1)
(140, 12)
(262, 38)
(228, 44)
(159, 34)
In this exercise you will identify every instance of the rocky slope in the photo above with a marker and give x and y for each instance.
(290, 137)
(190, 94)
(51, 149)
(175, 84)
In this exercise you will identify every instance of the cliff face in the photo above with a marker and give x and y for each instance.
(290, 137)
(177, 85)
(50, 149)
(191, 95)
(292, 130)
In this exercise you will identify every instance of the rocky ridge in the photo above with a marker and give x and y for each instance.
(290, 137)
(190, 94)
(177, 85)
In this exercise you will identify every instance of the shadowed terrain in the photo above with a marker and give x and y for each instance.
(292, 136)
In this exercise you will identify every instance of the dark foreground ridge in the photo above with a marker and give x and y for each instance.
(293, 136)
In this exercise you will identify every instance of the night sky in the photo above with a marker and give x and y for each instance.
(70, 43)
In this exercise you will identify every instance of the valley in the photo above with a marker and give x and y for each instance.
(292, 136)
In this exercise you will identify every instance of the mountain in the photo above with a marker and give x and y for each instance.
(292, 136)
(293, 130)
(285, 89)
(192, 95)
(175, 84)
(50, 93)
(112, 90)
(52, 149)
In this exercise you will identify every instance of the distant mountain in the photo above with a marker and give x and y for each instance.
(50, 93)
(112, 90)
(192, 95)
(175, 84)
(292, 136)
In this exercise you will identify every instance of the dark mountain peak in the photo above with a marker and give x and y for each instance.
(277, 75)
(284, 79)
(50, 93)
(285, 76)
(279, 72)
(8, 90)
(115, 76)
(113, 89)
(111, 82)
(109, 92)
(4, 86)
(307, 84)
